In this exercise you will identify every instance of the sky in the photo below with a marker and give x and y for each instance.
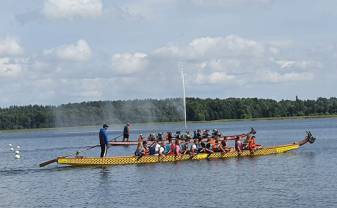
(61, 51)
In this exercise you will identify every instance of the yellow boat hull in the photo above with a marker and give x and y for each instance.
(127, 160)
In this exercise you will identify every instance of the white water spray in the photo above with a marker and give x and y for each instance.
(184, 94)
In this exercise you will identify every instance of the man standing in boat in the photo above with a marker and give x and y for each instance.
(126, 132)
(103, 140)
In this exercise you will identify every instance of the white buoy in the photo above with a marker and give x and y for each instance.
(17, 156)
(18, 147)
(17, 152)
(10, 145)
(12, 149)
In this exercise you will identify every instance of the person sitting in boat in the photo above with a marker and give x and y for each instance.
(151, 137)
(187, 136)
(197, 134)
(162, 148)
(202, 148)
(173, 147)
(216, 133)
(252, 146)
(140, 138)
(216, 146)
(223, 146)
(177, 150)
(178, 135)
(189, 143)
(140, 150)
(209, 146)
(126, 132)
(184, 147)
(238, 145)
(245, 142)
(193, 148)
(200, 145)
(168, 147)
(205, 134)
(169, 136)
(103, 140)
(146, 148)
(160, 136)
(154, 148)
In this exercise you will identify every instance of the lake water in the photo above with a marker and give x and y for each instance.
(302, 178)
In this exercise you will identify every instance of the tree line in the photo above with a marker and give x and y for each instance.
(165, 110)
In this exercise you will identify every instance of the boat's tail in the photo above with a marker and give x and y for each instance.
(308, 138)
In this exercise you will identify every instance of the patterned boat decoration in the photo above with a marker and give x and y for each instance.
(128, 160)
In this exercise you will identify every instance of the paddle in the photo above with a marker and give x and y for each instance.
(116, 138)
(76, 153)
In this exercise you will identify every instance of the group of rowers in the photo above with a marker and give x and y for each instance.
(203, 141)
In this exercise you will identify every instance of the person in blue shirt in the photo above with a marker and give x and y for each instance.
(103, 140)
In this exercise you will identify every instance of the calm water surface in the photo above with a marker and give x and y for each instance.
(302, 178)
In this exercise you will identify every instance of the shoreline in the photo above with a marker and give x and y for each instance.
(156, 123)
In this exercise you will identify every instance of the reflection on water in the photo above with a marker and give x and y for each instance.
(301, 178)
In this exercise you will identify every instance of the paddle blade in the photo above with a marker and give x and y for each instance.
(48, 162)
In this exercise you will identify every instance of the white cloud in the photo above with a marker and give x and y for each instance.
(217, 63)
(151, 9)
(277, 77)
(9, 69)
(69, 9)
(227, 65)
(211, 47)
(128, 63)
(79, 51)
(148, 8)
(227, 3)
(230, 45)
(302, 65)
(10, 46)
(213, 78)
(213, 60)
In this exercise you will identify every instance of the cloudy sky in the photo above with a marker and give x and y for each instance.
(60, 51)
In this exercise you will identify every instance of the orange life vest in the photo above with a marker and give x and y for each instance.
(251, 143)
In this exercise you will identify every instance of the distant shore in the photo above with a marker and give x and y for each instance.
(276, 118)
(112, 126)
(164, 110)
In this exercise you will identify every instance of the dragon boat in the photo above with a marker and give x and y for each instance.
(150, 159)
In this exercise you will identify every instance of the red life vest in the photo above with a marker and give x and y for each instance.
(251, 143)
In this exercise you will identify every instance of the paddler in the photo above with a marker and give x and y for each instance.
(169, 136)
(103, 140)
(252, 146)
(194, 149)
(209, 146)
(126, 132)
(140, 151)
(223, 147)
(177, 150)
(168, 147)
(245, 142)
(238, 145)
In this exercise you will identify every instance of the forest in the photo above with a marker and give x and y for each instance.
(164, 110)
